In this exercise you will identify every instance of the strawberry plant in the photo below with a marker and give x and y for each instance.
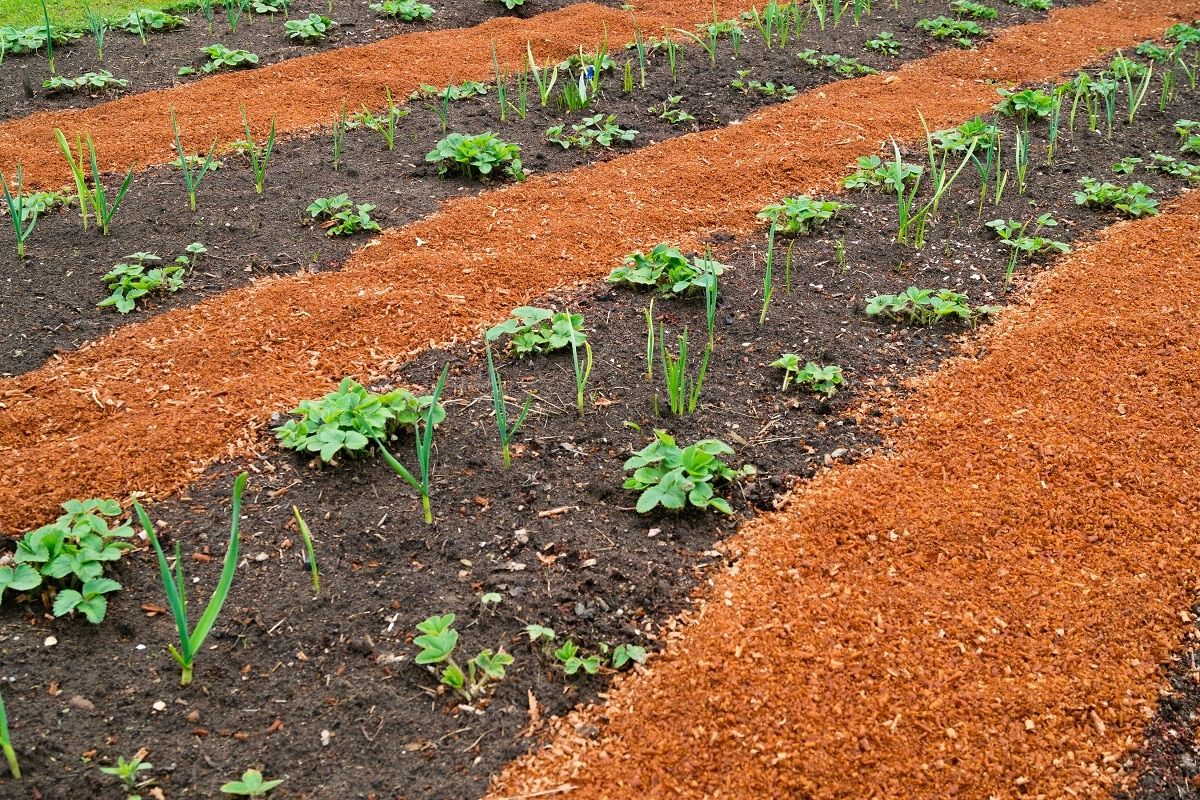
(1126, 165)
(885, 43)
(872, 172)
(674, 478)
(91, 81)
(786, 91)
(347, 420)
(437, 642)
(220, 56)
(800, 215)
(477, 156)
(843, 65)
(69, 557)
(822, 380)
(926, 307)
(1132, 202)
(1033, 5)
(252, 784)
(129, 281)
(1024, 104)
(310, 29)
(19, 41)
(1012, 234)
(572, 662)
(1185, 128)
(539, 330)
(599, 129)
(343, 218)
(453, 93)
(145, 20)
(667, 271)
(669, 112)
(1169, 165)
(961, 32)
(405, 10)
(271, 7)
(967, 8)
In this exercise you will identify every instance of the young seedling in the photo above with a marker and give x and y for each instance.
(682, 395)
(926, 307)
(49, 37)
(598, 129)
(251, 785)
(343, 218)
(424, 440)
(192, 176)
(98, 26)
(797, 216)
(822, 380)
(1132, 202)
(649, 312)
(546, 79)
(308, 548)
(666, 270)
(17, 208)
(127, 773)
(233, 12)
(710, 299)
(339, 135)
(437, 644)
(568, 656)
(768, 285)
(1012, 234)
(309, 30)
(10, 754)
(581, 373)
(477, 156)
(538, 330)
(259, 156)
(404, 10)
(102, 81)
(220, 56)
(174, 585)
(885, 43)
(500, 406)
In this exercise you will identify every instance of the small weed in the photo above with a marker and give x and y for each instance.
(251, 785)
(800, 215)
(885, 43)
(127, 773)
(1125, 165)
(668, 110)
(342, 217)
(132, 280)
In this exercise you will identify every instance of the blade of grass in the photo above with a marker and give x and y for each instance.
(308, 547)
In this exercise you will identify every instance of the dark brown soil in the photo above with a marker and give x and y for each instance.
(594, 572)
(45, 309)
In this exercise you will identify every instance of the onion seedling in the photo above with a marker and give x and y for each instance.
(501, 408)
(308, 548)
(650, 341)
(259, 159)
(581, 375)
(233, 12)
(339, 135)
(98, 25)
(18, 211)
(49, 37)
(682, 397)
(6, 744)
(174, 586)
(545, 79)
(424, 439)
(710, 296)
(192, 177)
(768, 287)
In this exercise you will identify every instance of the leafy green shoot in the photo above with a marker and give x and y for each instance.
(259, 156)
(192, 176)
(10, 754)
(174, 585)
(251, 785)
(500, 407)
(22, 224)
(424, 441)
(308, 549)
(437, 642)
(674, 477)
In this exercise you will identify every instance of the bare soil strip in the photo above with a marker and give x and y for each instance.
(981, 614)
(149, 406)
(309, 91)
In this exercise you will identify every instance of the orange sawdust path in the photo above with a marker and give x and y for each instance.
(309, 91)
(982, 613)
(150, 405)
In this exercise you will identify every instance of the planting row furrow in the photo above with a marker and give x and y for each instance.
(285, 339)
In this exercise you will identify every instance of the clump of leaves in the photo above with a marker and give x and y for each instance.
(1169, 165)
(405, 10)
(271, 7)
(885, 43)
(669, 111)
(961, 32)
(134, 278)
(18, 41)
(674, 478)
(968, 8)
(69, 557)
(667, 271)
(599, 129)
(477, 156)
(101, 81)
(453, 93)
(843, 65)
(822, 380)
(872, 172)
(1126, 165)
(437, 644)
(310, 29)
(1012, 234)
(746, 85)
(1025, 104)
(1132, 202)
(251, 785)
(569, 656)
(539, 330)
(347, 420)
(220, 56)
(925, 306)
(1033, 5)
(800, 215)
(149, 19)
(342, 217)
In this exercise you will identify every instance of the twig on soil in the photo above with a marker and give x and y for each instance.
(554, 512)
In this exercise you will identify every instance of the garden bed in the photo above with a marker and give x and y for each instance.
(297, 684)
